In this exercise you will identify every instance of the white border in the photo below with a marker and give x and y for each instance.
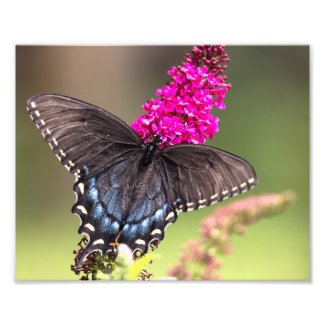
(165, 22)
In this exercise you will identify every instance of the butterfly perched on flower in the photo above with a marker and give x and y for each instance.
(129, 191)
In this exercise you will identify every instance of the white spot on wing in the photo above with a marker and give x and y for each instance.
(37, 113)
(98, 242)
(55, 142)
(251, 180)
(140, 242)
(42, 122)
(202, 201)
(234, 188)
(62, 153)
(224, 192)
(170, 215)
(189, 204)
(90, 227)
(156, 232)
(77, 174)
(33, 104)
(243, 185)
(213, 196)
(81, 188)
(48, 131)
(82, 209)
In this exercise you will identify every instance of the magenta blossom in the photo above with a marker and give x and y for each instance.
(182, 111)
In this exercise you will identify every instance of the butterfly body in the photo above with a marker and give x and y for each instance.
(151, 149)
(128, 191)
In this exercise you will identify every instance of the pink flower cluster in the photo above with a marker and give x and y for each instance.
(234, 217)
(198, 259)
(195, 264)
(182, 111)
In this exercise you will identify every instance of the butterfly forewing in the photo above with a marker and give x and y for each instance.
(81, 134)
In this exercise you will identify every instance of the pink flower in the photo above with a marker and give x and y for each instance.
(199, 258)
(195, 263)
(182, 113)
(234, 217)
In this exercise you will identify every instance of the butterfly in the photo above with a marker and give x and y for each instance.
(128, 192)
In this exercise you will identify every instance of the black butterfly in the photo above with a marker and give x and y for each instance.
(128, 191)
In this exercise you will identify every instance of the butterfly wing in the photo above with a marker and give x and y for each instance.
(197, 175)
(118, 198)
(127, 203)
(103, 202)
(150, 211)
(82, 135)
(102, 151)
(181, 178)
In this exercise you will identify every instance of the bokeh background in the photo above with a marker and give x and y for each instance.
(266, 122)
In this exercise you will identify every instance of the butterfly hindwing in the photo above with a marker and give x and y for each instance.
(126, 204)
(150, 211)
(103, 201)
(197, 175)
(81, 134)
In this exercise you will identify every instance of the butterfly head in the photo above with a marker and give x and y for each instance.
(156, 139)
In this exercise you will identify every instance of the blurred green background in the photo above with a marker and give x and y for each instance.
(266, 122)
